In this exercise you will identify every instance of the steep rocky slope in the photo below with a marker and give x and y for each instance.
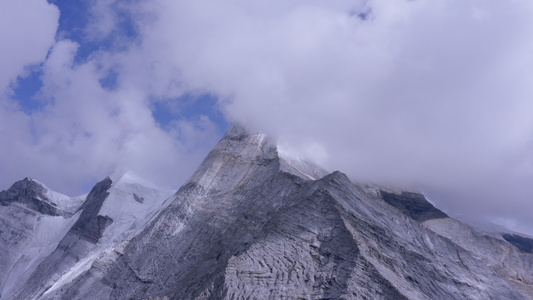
(252, 224)
(249, 224)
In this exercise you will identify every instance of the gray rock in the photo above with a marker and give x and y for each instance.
(30, 194)
(252, 224)
(414, 205)
(90, 225)
(521, 243)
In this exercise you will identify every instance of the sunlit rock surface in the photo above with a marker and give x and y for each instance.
(252, 224)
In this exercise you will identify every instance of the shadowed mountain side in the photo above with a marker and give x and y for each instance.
(520, 242)
(413, 205)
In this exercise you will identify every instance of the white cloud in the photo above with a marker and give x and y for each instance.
(85, 130)
(430, 92)
(27, 30)
(94, 130)
(103, 19)
(435, 93)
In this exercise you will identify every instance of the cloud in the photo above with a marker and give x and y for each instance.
(431, 93)
(435, 94)
(103, 19)
(27, 30)
(92, 129)
(86, 128)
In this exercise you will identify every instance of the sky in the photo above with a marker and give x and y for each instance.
(432, 94)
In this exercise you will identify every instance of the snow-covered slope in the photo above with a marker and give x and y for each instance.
(61, 248)
(33, 219)
(69, 205)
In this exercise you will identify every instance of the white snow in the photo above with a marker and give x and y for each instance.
(302, 168)
(66, 203)
(128, 214)
(47, 232)
(63, 202)
(129, 217)
(124, 176)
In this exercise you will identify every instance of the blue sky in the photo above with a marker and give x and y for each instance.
(432, 94)
(74, 19)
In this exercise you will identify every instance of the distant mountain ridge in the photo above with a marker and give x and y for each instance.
(44, 249)
(33, 195)
(250, 223)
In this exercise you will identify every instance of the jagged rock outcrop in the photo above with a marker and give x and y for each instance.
(32, 195)
(249, 224)
(76, 244)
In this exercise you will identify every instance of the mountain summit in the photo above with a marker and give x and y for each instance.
(250, 223)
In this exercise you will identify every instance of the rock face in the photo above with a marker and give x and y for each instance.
(252, 224)
(31, 195)
(522, 243)
(413, 205)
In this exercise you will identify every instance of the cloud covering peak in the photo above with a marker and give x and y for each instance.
(429, 93)
(432, 93)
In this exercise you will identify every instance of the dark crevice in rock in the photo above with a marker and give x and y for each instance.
(138, 198)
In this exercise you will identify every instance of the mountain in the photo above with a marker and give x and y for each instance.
(33, 220)
(49, 238)
(251, 223)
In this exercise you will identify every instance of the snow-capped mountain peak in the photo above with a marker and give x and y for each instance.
(124, 175)
(36, 196)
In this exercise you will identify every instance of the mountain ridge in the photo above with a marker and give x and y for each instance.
(83, 231)
(250, 223)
